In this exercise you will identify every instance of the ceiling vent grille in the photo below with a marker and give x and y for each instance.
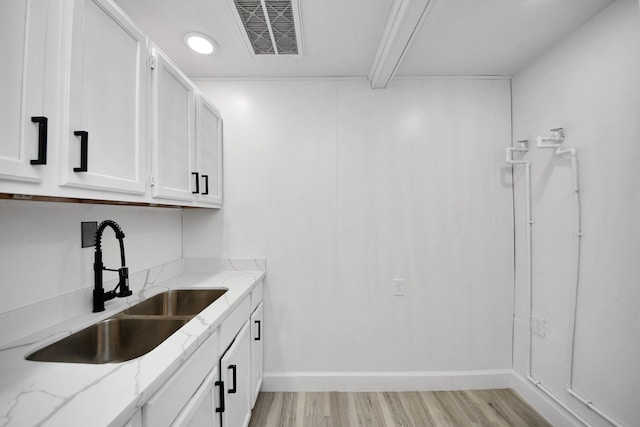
(270, 27)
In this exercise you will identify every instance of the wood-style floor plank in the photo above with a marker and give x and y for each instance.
(398, 414)
(437, 410)
(478, 408)
(481, 400)
(514, 409)
(342, 409)
(368, 410)
(416, 409)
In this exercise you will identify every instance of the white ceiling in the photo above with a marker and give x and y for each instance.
(342, 37)
(491, 37)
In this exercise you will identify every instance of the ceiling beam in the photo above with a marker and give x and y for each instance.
(403, 23)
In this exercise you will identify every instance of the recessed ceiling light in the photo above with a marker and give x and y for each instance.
(200, 43)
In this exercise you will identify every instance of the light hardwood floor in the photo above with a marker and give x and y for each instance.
(420, 409)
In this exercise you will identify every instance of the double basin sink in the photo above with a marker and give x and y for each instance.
(132, 332)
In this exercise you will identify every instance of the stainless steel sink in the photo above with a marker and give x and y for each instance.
(110, 341)
(132, 332)
(184, 302)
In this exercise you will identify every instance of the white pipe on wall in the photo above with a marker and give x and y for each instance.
(555, 142)
(529, 258)
(574, 302)
(528, 236)
(593, 407)
(578, 233)
(557, 400)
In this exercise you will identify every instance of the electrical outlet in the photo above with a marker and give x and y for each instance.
(88, 233)
(398, 287)
(538, 326)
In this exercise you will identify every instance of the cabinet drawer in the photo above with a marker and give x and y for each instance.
(232, 324)
(167, 403)
(256, 296)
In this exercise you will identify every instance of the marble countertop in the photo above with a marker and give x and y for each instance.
(75, 394)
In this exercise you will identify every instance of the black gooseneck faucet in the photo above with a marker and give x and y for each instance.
(122, 288)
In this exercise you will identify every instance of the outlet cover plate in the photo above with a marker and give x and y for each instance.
(398, 287)
(89, 233)
(538, 326)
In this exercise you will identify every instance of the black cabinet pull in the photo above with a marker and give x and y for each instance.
(220, 385)
(42, 140)
(206, 185)
(84, 147)
(257, 322)
(197, 182)
(234, 369)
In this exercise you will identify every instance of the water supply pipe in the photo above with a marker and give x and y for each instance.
(523, 147)
(572, 152)
(554, 141)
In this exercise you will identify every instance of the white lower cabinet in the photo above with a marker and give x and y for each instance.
(178, 392)
(135, 420)
(256, 352)
(218, 384)
(201, 409)
(235, 374)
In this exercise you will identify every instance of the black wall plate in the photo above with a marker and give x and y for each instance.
(89, 233)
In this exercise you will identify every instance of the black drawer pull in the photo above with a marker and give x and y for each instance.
(259, 330)
(220, 385)
(197, 190)
(234, 369)
(84, 147)
(206, 185)
(42, 140)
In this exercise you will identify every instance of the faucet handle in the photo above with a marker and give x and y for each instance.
(123, 283)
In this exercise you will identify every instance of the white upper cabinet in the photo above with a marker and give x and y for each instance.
(187, 139)
(88, 111)
(209, 152)
(25, 89)
(104, 135)
(172, 131)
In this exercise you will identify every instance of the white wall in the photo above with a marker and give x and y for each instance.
(40, 247)
(590, 85)
(343, 189)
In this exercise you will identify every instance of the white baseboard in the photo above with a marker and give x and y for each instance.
(551, 411)
(386, 381)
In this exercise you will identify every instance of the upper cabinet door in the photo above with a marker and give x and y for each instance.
(173, 140)
(104, 137)
(209, 152)
(23, 88)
